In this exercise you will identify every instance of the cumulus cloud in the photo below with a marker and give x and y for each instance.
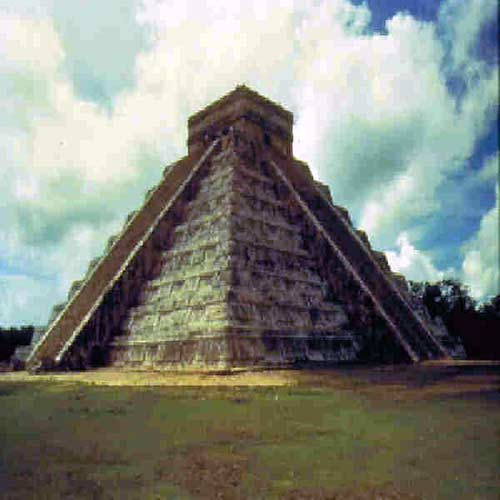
(481, 262)
(461, 24)
(480, 268)
(374, 117)
(101, 44)
(490, 170)
(380, 125)
(20, 294)
(413, 263)
(68, 169)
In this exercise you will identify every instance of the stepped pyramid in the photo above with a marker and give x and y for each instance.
(237, 258)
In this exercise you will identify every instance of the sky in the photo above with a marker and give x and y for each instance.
(395, 107)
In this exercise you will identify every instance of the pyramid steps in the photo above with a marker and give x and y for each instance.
(273, 301)
(417, 339)
(66, 327)
(237, 258)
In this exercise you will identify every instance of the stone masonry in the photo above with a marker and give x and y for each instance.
(237, 259)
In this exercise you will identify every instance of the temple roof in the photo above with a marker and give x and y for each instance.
(242, 103)
(241, 93)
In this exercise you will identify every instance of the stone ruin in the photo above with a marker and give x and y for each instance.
(238, 258)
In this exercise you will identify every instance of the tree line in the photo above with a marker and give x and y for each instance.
(12, 337)
(477, 325)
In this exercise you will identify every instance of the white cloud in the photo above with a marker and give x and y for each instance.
(490, 170)
(24, 300)
(101, 43)
(413, 263)
(480, 268)
(69, 171)
(29, 44)
(461, 23)
(378, 123)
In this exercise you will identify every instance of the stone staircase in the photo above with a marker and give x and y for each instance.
(238, 258)
(100, 283)
(236, 287)
(369, 269)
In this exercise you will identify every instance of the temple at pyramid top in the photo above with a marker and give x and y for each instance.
(238, 258)
(242, 105)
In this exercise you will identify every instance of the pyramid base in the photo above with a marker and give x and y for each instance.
(230, 352)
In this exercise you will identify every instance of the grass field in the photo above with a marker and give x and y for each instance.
(349, 433)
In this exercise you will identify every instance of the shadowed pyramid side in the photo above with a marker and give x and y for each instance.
(94, 313)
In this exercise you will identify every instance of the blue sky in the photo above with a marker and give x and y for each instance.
(395, 105)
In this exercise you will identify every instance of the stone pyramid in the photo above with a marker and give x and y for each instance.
(238, 258)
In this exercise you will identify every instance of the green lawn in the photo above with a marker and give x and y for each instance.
(313, 440)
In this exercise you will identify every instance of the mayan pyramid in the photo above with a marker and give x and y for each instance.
(237, 258)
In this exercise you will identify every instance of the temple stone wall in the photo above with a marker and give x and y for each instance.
(237, 287)
(238, 258)
(109, 266)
